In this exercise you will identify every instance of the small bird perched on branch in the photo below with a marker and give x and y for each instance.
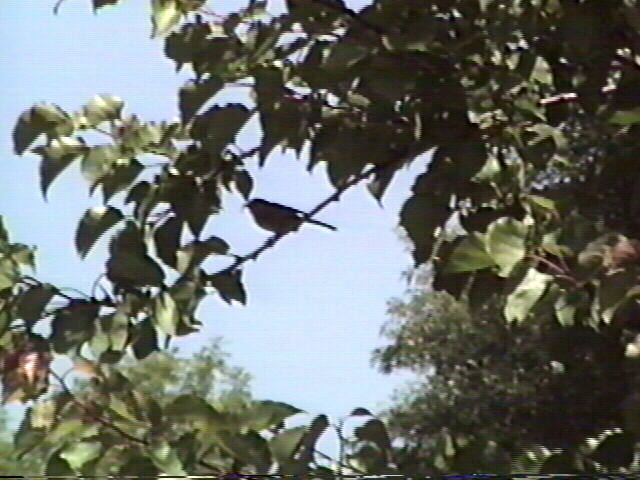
(278, 218)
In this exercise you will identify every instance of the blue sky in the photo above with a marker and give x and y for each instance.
(316, 301)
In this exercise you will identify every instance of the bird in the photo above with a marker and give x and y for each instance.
(278, 218)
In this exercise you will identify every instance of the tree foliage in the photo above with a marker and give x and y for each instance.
(533, 383)
(528, 108)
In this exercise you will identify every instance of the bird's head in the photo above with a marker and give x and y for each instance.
(255, 202)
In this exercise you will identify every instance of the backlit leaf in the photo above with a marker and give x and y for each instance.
(525, 295)
(95, 222)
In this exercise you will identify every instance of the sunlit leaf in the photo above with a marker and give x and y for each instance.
(525, 295)
(505, 243)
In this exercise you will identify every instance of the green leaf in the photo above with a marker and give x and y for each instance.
(57, 156)
(420, 216)
(43, 414)
(32, 303)
(194, 253)
(380, 182)
(229, 286)
(122, 174)
(505, 243)
(565, 312)
(139, 467)
(117, 328)
(626, 117)
(243, 183)
(542, 202)
(70, 429)
(285, 444)
(22, 255)
(98, 162)
(9, 272)
(165, 458)
(318, 426)
(616, 450)
(73, 325)
(613, 291)
(166, 314)
(360, 411)
(219, 125)
(267, 414)
(165, 14)
(134, 270)
(167, 240)
(194, 95)
(560, 462)
(526, 294)
(345, 54)
(94, 223)
(198, 410)
(138, 192)
(102, 108)
(58, 467)
(191, 202)
(250, 448)
(129, 264)
(374, 431)
(40, 119)
(77, 454)
(470, 255)
(146, 340)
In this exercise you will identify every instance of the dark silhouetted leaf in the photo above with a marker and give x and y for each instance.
(229, 286)
(95, 222)
(194, 95)
(146, 341)
(167, 240)
(374, 431)
(616, 450)
(32, 303)
(57, 156)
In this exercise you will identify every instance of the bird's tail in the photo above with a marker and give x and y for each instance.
(322, 224)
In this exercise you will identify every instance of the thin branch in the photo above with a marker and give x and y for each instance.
(560, 272)
(548, 263)
(569, 97)
(109, 134)
(271, 241)
(96, 284)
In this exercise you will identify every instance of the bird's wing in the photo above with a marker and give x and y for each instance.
(286, 207)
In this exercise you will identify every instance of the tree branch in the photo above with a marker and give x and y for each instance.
(271, 241)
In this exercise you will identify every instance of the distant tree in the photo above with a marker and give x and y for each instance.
(533, 383)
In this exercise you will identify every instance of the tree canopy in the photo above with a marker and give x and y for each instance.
(529, 203)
